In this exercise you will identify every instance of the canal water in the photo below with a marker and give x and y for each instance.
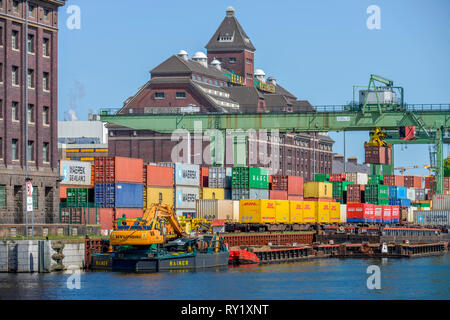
(417, 278)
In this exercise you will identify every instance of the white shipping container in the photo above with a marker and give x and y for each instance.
(432, 217)
(235, 211)
(357, 177)
(343, 218)
(411, 194)
(75, 172)
(411, 211)
(216, 209)
(185, 197)
(184, 174)
(441, 202)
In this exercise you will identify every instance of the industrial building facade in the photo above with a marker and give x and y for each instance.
(222, 81)
(28, 93)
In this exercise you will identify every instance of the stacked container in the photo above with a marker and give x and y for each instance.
(186, 179)
(158, 186)
(318, 190)
(286, 188)
(377, 194)
(394, 180)
(118, 188)
(218, 210)
(375, 179)
(355, 193)
(321, 177)
(357, 177)
(413, 182)
(398, 196)
(250, 183)
(339, 189)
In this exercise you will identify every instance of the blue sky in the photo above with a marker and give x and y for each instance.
(316, 49)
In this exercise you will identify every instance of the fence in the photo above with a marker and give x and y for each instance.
(71, 213)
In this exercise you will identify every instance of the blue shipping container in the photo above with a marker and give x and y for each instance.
(400, 202)
(105, 195)
(397, 192)
(129, 195)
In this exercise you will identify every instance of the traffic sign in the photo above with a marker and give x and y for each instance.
(29, 189)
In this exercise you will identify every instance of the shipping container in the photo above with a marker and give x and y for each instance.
(375, 179)
(377, 213)
(279, 183)
(413, 182)
(428, 182)
(310, 211)
(63, 190)
(118, 169)
(219, 177)
(296, 212)
(185, 197)
(281, 211)
(441, 202)
(278, 195)
(212, 193)
(411, 194)
(387, 214)
(343, 213)
(321, 177)
(355, 193)
(394, 180)
(159, 176)
(397, 193)
(400, 202)
(76, 173)
(257, 211)
(254, 178)
(323, 212)
(258, 193)
(204, 177)
(359, 212)
(375, 154)
(335, 212)
(421, 194)
(318, 190)
(155, 195)
(337, 177)
(109, 215)
(129, 195)
(187, 213)
(217, 210)
(295, 185)
(432, 217)
(241, 193)
(395, 214)
(357, 177)
(184, 174)
(376, 194)
(105, 195)
(295, 198)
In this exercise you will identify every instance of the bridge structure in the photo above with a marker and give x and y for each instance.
(431, 120)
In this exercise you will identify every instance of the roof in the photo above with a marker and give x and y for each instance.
(177, 65)
(302, 105)
(280, 90)
(247, 97)
(230, 27)
(338, 167)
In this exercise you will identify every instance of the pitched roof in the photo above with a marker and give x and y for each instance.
(177, 65)
(247, 97)
(338, 167)
(280, 90)
(230, 28)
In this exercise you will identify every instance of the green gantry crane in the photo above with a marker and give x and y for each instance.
(431, 120)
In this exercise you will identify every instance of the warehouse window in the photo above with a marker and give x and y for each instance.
(14, 150)
(45, 115)
(45, 152)
(46, 14)
(30, 79)
(31, 8)
(30, 43)
(30, 113)
(15, 40)
(45, 47)
(15, 76)
(16, 6)
(159, 95)
(30, 151)
(232, 60)
(3, 197)
(45, 82)
(1, 148)
(35, 197)
(181, 95)
(15, 111)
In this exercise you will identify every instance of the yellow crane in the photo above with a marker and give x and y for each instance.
(148, 230)
(403, 169)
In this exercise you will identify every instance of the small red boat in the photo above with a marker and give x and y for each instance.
(238, 257)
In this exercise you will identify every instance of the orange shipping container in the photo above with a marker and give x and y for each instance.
(118, 169)
(159, 176)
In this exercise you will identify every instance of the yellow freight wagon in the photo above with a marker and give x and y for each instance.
(281, 211)
(296, 212)
(257, 211)
(157, 195)
(213, 194)
(309, 211)
(335, 212)
(318, 190)
(323, 212)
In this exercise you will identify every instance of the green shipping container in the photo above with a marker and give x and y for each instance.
(376, 192)
(375, 179)
(255, 178)
(77, 195)
(321, 177)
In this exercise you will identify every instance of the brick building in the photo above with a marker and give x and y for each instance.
(28, 93)
(225, 81)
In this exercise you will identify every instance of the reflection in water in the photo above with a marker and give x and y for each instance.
(419, 278)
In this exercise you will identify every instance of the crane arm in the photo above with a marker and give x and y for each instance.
(385, 81)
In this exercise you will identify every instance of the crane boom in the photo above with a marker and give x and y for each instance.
(385, 81)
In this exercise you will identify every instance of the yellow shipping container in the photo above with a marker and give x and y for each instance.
(281, 211)
(257, 211)
(335, 212)
(157, 195)
(213, 194)
(323, 212)
(309, 211)
(318, 190)
(296, 212)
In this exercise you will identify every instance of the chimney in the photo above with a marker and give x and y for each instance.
(338, 157)
(353, 160)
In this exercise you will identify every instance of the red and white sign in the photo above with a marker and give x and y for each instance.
(29, 189)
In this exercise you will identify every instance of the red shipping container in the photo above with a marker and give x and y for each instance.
(159, 176)
(295, 185)
(354, 192)
(204, 174)
(270, 178)
(396, 213)
(337, 177)
(118, 169)
(374, 154)
(106, 218)
(280, 183)
(413, 182)
(295, 198)
(394, 180)
(429, 180)
(378, 213)
(278, 195)
(387, 213)
(360, 211)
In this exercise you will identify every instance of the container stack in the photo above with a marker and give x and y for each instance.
(377, 194)
(398, 196)
(250, 183)
(186, 179)
(355, 193)
(218, 184)
(357, 177)
(158, 185)
(118, 189)
(318, 191)
(286, 188)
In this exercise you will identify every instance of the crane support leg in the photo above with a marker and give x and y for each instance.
(439, 161)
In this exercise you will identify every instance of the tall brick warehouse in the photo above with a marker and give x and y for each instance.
(224, 80)
(28, 92)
